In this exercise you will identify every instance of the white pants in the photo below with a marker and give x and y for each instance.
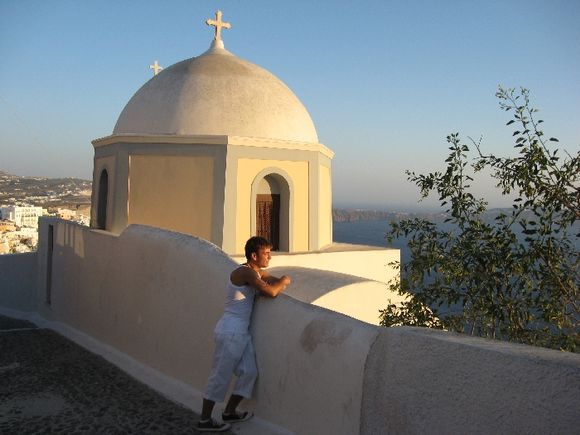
(234, 355)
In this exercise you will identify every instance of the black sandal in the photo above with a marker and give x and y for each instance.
(211, 426)
(237, 417)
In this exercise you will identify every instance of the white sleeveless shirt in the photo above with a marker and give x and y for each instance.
(238, 309)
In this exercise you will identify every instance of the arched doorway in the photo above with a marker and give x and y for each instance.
(272, 198)
(102, 201)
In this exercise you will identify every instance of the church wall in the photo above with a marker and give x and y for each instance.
(247, 170)
(324, 206)
(18, 274)
(172, 192)
(256, 150)
(118, 152)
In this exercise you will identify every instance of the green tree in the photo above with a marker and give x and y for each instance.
(512, 278)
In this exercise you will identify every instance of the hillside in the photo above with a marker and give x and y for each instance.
(45, 192)
(352, 215)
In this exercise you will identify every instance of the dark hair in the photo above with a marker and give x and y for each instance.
(254, 244)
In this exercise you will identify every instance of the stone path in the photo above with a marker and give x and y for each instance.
(49, 384)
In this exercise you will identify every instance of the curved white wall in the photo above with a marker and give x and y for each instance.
(354, 296)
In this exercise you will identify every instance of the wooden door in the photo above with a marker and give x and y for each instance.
(268, 218)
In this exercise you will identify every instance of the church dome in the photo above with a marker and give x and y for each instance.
(217, 93)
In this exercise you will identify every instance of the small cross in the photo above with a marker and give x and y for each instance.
(156, 68)
(218, 24)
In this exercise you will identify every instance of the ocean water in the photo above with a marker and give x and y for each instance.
(371, 232)
(361, 232)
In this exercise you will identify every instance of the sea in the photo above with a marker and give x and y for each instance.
(373, 232)
(369, 232)
(364, 232)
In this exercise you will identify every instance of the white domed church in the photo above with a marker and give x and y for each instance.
(216, 147)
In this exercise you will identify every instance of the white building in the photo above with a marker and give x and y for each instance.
(22, 216)
(65, 213)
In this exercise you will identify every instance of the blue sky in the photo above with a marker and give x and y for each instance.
(384, 81)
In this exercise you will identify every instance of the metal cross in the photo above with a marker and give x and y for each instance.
(156, 68)
(218, 24)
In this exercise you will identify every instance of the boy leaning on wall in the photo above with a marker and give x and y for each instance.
(234, 351)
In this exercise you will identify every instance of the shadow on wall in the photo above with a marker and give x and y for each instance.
(18, 281)
(354, 296)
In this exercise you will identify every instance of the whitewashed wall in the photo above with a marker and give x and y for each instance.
(155, 296)
(18, 276)
(152, 294)
(421, 380)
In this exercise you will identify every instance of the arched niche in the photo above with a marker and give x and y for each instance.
(272, 200)
(103, 200)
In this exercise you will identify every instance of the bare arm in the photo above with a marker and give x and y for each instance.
(271, 280)
(267, 284)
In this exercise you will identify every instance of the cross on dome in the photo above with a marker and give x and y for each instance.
(218, 24)
(156, 68)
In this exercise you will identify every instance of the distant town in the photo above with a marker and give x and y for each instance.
(357, 214)
(24, 199)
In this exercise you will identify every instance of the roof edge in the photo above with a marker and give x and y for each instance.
(257, 142)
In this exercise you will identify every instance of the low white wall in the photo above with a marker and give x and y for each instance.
(312, 364)
(18, 274)
(152, 294)
(155, 296)
(351, 295)
(426, 381)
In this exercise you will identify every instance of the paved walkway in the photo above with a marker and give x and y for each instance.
(48, 384)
